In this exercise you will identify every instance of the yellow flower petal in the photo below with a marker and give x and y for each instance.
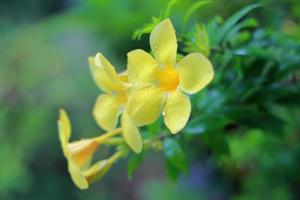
(64, 130)
(82, 151)
(77, 176)
(97, 170)
(102, 62)
(195, 72)
(131, 134)
(141, 67)
(177, 111)
(163, 42)
(145, 105)
(103, 79)
(106, 111)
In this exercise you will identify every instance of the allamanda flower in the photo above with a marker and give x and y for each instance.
(161, 83)
(110, 105)
(79, 154)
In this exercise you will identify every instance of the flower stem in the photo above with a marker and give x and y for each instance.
(118, 155)
(105, 136)
(114, 141)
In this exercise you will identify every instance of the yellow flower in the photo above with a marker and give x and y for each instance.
(110, 105)
(79, 154)
(100, 168)
(161, 83)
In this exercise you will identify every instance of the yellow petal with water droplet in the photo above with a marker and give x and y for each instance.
(106, 111)
(163, 42)
(102, 62)
(77, 176)
(102, 76)
(145, 105)
(131, 134)
(141, 67)
(177, 111)
(195, 72)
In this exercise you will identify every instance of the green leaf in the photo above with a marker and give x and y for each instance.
(247, 144)
(205, 124)
(155, 128)
(133, 163)
(169, 8)
(198, 41)
(287, 95)
(192, 9)
(211, 27)
(252, 117)
(231, 21)
(147, 28)
(174, 154)
(173, 171)
(235, 31)
(217, 142)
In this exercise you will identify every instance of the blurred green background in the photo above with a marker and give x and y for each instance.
(242, 141)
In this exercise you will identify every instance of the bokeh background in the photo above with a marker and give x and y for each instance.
(250, 150)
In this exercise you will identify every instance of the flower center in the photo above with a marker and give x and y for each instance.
(121, 97)
(123, 77)
(168, 78)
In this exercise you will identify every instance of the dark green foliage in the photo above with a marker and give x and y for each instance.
(133, 163)
(256, 81)
(229, 26)
(174, 154)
